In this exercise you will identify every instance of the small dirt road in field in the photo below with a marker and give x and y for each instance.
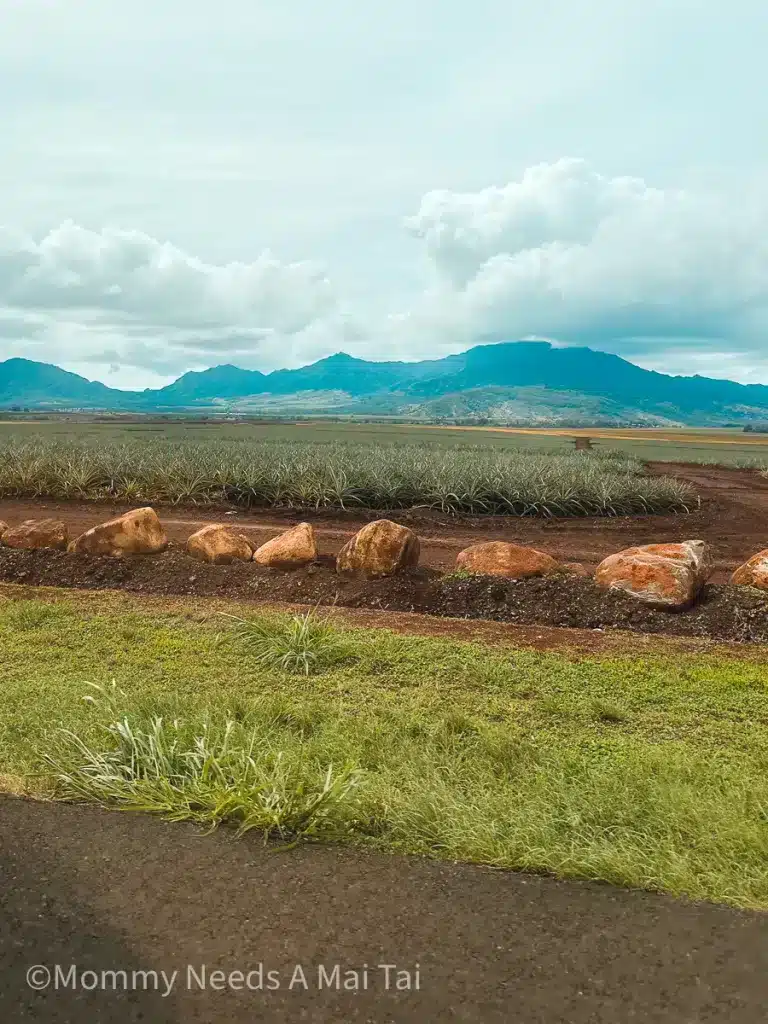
(104, 892)
(733, 517)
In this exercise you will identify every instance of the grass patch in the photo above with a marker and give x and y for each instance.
(641, 772)
(219, 771)
(608, 711)
(301, 644)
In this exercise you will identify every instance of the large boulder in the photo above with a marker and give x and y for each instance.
(36, 533)
(499, 558)
(381, 548)
(291, 550)
(139, 532)
(219, 544)
(753, 573)
(662, 575)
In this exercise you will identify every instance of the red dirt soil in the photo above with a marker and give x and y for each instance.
(733, 517)
(730, 614)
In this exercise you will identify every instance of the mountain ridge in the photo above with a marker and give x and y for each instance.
(528, 374)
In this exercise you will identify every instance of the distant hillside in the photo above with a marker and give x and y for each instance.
(218, 382)
(355, 377)
(41, 385)
(510, 382)
(534, 406)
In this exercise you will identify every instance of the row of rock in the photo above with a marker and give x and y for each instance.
(136, 533)
(663, 575)
(380, 549)
(220, 544)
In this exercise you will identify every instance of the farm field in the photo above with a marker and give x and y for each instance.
(334, 475)
(729, 510)
(684, 444)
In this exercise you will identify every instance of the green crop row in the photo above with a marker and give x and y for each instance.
(339, 476)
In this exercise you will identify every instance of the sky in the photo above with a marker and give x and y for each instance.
(186, 183)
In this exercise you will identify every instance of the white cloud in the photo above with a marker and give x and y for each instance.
(568, 253)
(122, 297)
(661, 275)
(564, 202)
(130, 273)
(315, 127)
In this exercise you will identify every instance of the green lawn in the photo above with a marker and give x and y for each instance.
(648, 773)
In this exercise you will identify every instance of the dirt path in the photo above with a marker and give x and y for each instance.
(733, 518)
(110, 892)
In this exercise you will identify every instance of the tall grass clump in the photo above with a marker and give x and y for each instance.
(218, 771)
(300, 644)
(473, 480)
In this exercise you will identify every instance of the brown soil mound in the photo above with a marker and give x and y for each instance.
(722, 613)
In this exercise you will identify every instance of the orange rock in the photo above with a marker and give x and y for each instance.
(3, 528)
(219, 544)
(499, 558)
(664, 575)
(753, 573)
(575, 569)
(36, 533)
(381, 548)
(292, 549)
(139, 532)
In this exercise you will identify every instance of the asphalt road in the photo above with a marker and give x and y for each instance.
(92, 892)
